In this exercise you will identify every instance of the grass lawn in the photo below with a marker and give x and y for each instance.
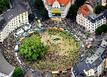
(62, 53)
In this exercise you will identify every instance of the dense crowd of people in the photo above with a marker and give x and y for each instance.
(8, 49)
(67, 24)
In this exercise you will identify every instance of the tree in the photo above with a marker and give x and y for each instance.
(99, 8)
(32, 48)
(72, 11)
(4, 4)
(79, 3)
(18, 72)
(101, 29)
(74, 8)
(41, 8)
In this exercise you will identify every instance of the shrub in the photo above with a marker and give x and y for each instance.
(4, 5)
(32, 48)
(99, 8)
(18, 72)
(101, 29)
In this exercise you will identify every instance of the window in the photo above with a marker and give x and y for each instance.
(19, 20)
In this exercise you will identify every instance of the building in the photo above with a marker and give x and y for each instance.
(94, 3)
(6, 70)
(91, 66)
(87, 18)
(104, 2)
(57, 9)
(12, 19)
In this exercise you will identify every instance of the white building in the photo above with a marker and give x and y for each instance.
(12, 19)
(91, 66)
(88, 19)
(104, 2)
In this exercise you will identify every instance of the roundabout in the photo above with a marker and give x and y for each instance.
(53, 40)
(50, 49)
(57, 50)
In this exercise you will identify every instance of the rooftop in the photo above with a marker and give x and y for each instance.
(5, 67)
(2, 22)
(87, 12)
(11, 13)
(84, 10)
(63, 2)
(89, 63)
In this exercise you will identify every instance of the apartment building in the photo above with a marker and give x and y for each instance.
(87, 18)
(12, 19)
(91, 66)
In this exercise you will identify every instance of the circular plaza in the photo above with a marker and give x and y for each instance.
(57, 48)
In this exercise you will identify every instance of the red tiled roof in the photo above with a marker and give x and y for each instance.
(50, 1)
(65, 2)
(84, 10)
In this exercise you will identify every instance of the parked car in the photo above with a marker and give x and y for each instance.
(16, 49)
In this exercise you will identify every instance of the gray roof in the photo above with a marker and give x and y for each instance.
(94, 17)
(11, 13)
(5, 67)
(79, 67)
(15, 2)
(2, 22)
(89, 63)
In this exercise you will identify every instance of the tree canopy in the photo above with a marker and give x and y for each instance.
(99, 8)
(18, 72)
(74, 8)
(32, 48)
(4, 4)
(41, 9)
(101, 29)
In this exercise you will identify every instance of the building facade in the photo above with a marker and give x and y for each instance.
(12, 19)
(57, 9)
(87, 18)
(91, 66)
(104, 2)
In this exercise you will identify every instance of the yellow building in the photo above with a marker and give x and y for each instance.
(57, 9)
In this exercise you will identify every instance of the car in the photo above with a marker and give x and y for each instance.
(17, 43)
(19, 32)
(16, 49)
(27, 27)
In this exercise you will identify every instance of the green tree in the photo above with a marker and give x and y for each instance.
(32, 48)
(72, 11)
(18, 72)
(78, 3)
(74, 8)
(101, 29)
(4, 5)
(41, 8)
(99, 8)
